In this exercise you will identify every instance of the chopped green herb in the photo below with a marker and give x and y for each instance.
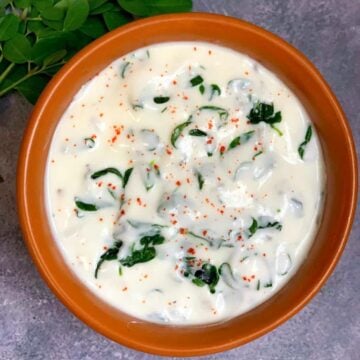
(197, 132)
(209, 275)
(223, 113)
(103, 172)
(89, 142)
(198, 282)
(308, 135)
(255, 226)
(200, 180)
(85, 206)
(155, 239)
(197, 80)
(258, 285)
(262, 112)
(164, 109)
(124, 68)
(243, 138)
(108, 255)
(257, 154)
(202, 89)
(269, 284)
(126, 177)
(200, 237)
(139, 256)
(215, 90)
(120, 271)
(177, 132)
(161, 99)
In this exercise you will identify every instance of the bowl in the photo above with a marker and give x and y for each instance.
(340, 201)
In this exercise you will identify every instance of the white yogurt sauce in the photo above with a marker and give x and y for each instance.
(187, 224)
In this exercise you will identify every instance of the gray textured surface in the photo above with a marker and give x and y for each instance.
(33, 323)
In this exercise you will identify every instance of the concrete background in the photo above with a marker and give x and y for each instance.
(35, 325)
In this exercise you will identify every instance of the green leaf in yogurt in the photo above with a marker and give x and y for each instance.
(124, 68)
(241, 139)
(263, 112)
(85, 206)
(302, 146)
(108, 255)
(161, 99)
(223, 113)
(197, 80)
(258, 225)
(214, 90)
(109, 170)
(177, 132)
(200, 180)
(139, 256)
(126, 177)
(201, 89)
(208, 274)
(197, 132)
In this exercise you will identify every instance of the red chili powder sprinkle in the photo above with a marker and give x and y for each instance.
(191, 251)
(178, 183)
(182, 231)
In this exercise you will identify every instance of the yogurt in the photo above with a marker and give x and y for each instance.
(184, 183)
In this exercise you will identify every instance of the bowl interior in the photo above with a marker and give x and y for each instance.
(341, 185)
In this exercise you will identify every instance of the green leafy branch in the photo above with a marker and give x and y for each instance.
(38, 36)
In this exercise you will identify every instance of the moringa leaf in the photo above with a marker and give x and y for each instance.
(161, 99)
(177, 132)
(105, 171)
(17, 49)
(114, 19)
(197, 132)
(126, 177)
(109, 255)
(241, 139)
(85, 206)
(9, 25)
(77, 12)
(155, 7)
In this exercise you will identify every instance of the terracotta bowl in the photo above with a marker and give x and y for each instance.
(338, 148)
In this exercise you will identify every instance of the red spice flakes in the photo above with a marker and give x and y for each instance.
(168, 151)
(101, 114)
(122, 212)
(210, 125)
(174, 82)
(105, 248)
(253, 276)
(101, 219)
(264, 254)
(138, 200)
(93, 136)
(185, 97)
(124, 288)
(188, 180)
(209, 52)
(178, 183)
(204, 232)
(174, 222)
(176, 267)
(99, 183)
(222, 149)
(191, 251)
(183, 231)
(194, 48)
(234, 120)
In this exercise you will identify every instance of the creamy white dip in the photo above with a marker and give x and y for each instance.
(184, 183)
